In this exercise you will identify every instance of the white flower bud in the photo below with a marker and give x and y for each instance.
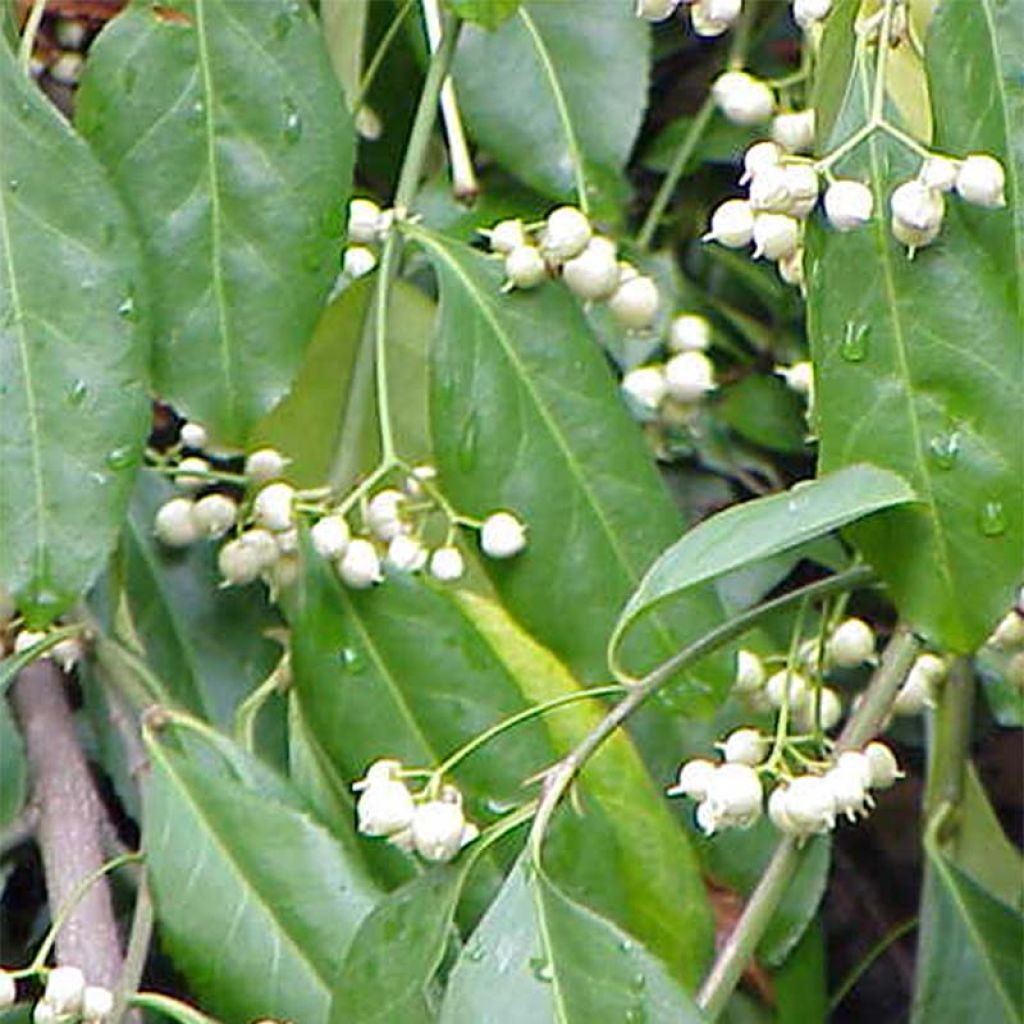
(1009, 634)
(406, 554)
(689, 332)
(8, 990)
(364, 219)
(67, 653)
(437, 829)
(65, 987)
(851, 644)
(799, 377)
(750, 674)
(656, 10)
(694, 779)
(215, 514)
(193, 435)
(287, 541)
(689, 376)
(358, 261)
(939, 172)
(769, 190)
(913, 238)
(502, 535)
(735, 796)
(981, 180)
(70, 34)
(778, 809)
(758, 158)
(359, 566)
(284, 573)
(264, 464)
(744, 746)
(385, 769)
(97, 1004)
(807, 13)
(849, 791)
(525, 267)
(594, 274)
(243, 559)
(273, 506)
(803, 184)
(791, 268)
(795, 131)
(914, 205)
(732, 224)
(566, 233)
(742, 98)
(330, 536)
(27, 638)
(447, 564)
(848, 204)
(183, 473)
(885, 769)
(635, 303)
(44, 1013)
(831, 710)
(775, 235)
(506, 235)
(67, 68)
(384, 808)
(646, 386)
(174, 524)
(384, 514)
(704, 26)
(723, 11)
(798, 687)
(917, 691)
(809, 806)
(413, 485)
(707, 818)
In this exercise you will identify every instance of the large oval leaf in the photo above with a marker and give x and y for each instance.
(758, 529)
(73, 352)
(223, 125)
(920, 367)
(257, 904)
(527, 367)
(553, 85)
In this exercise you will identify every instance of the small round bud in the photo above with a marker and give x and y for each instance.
(735, 796)
(804, 186)
(264, 464)
(689, 332)
(656, 10)
(635, 303)
(413, 485)
(70, 34)
(939, 172)
(807, 13)
(769, 190)
(851, 644)
(447, 564)
(330, 536)
(848, 204)
(722, 10)
(385, 769)
(67, 653)
(215, 514)
(916, 206)
(97, 1004)
(797, 685)
(758, 158)
(65, 987)
(704, 25)
(525, 267)
(913, 238)
(358, 261)
(359, 566)
(778, 809)
(799, 377)
(243, 559)
(689, 376)
(917, 691)
(189, 474)
(750, 674)
(745, 746)
(364, 218)
(438, 827)
(810, 806)
(566, 233)
(830, 709)
(594, 274)
(44, 1013)
(8, 990)
(67, 68)
(885, 769)
(506, 235)
(742, 98)
(849, 791)
(1009, 634)
(287, 541)
(646, 387)
(791, 268)
(406, 554)
(384, 808)
(27, 639)
(502, 535)
(732, 224)
(193, 435)
(384, 514)
(273, 507)
(775, 235)
(857, 764)
(981, 180)
(694, 779)
(175, 524)
(795, 131)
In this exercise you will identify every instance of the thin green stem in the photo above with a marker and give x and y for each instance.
(882, 62)
(908, 140)
(137, 952)
(172, 1008)
(247, 712)
(866, 962)
(28, 36)
(366, 82)
(949, 737)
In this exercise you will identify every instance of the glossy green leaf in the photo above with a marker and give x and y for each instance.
(222, 123)
(205, 642)
(800, 983)
(549, 88)
(256, 903)
(74, 339)
(540, 957)
(526, 367)
(919, 367)
(13, 769)
(762, 410)
(487, 13)
(761, 528)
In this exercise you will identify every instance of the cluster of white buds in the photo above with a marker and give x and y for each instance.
(711, 18)
(683, 380)
(432, 823)
(565, 245)
(67, 998)
(808, 704)
(742, 98)
(67, 653)
(368, 225)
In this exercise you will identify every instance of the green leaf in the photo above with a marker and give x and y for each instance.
(800, 983)
(223, 125)
(550, 88)
(487, 13)
(13, 769)
(538, 957)
(526, 366)
(761, 528)
(918, 368)
(74, 336)
(206, 643)
(256, 903)
(761, 409)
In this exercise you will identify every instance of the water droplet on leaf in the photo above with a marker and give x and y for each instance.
(992, 519)
(467, 450)
(78, 392)
(854, 346)
(351, 659)
(121, 458)
(945, 449)
(126, 309)
(638, 982)
(129, 77)
(541, 969)
(292, 122)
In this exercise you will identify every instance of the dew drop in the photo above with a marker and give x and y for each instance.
(126, 310)
(992, 519)
(636, 1015)
(854, 346)
(121, 458)
(196, 112)
(77, 393)
(44, 599)
(129, 77)
(292, 122)
(945, 449)
(351, 659)
(13, 184)
(626, 946)
(541, 969)
(467, 450)
(638, 982)
(475, 953)
(99, 479)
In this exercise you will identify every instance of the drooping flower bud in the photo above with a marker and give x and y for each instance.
(848, 204)
(732, 224)
(502, 535)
